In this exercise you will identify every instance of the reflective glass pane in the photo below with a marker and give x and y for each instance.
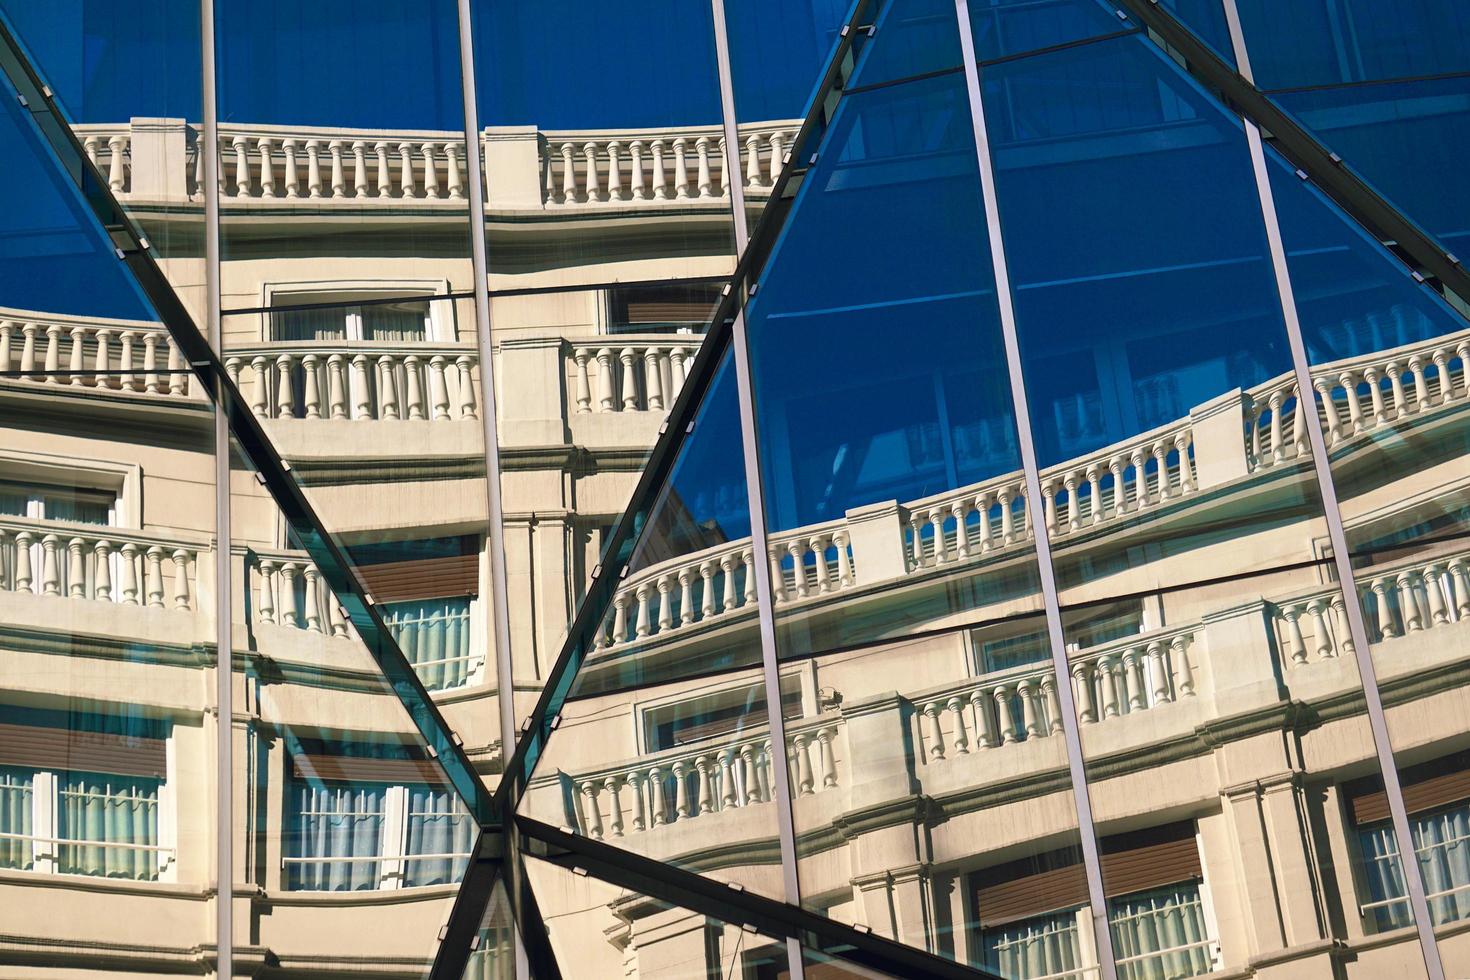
(1389, 364)
(1006, 28)
(905, 583)
(1189, 540)
(107, 597)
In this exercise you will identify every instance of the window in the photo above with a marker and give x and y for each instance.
(714, 715)
(351, 317)
(79, 505)
(661, 309)
(83, 795)
(1437, 795)
(1035, 923)
(364, 822)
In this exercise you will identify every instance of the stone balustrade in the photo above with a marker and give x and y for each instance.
(287, 590)
(109, 147)
(629, 373)
(1123, 676)
(356, 164)
(689, 782)
(97, 564)
(1119, 480)
(717, 583)
(587, 167)
(1358, 395)
(357, 380)
(75, 352)
(966, 523)
(1406, 597)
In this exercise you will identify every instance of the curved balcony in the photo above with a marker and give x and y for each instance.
(64, 353)
(98, 564)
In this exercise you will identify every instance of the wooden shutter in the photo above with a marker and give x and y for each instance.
(362, 769)
(1132, 862)
(422, 578)
(1428, 786)
(65, 750)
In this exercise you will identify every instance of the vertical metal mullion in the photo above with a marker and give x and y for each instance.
(223, 578)
(765, 603)
(495, 511)
(1086, 831)
(1341, 556)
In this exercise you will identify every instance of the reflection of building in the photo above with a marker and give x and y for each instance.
(1239, 814)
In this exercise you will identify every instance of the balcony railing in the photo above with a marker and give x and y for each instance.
(685, 783)
(75, 352)
(628, 373)
(357, 380)
(97, 564)
(159, 159)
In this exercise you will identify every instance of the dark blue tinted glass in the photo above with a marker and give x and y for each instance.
(778, 49)
(53, 256)
(884, 252)
(1206, 18)
(384, 63)
(1327, 42)
(105, 59)
(918, 37)
(1009, 27)
(583, 64)
(1409, 139)
(1136, 247)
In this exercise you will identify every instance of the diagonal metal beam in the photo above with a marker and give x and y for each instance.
(1324, 167)
(133, 249)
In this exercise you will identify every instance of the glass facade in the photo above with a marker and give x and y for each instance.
(734, 488)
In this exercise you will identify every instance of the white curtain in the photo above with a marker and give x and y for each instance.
(1442, 841)
(437, 824)
(109, 809)
(435, 637)
(1160, 934)
(334, 821)
(15, 817)
(395, 321)
(1385, 877)
(323, 324)
(1045, 946)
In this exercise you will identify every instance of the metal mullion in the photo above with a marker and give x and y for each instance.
(223, 521)
(764, 595)
(1087, 832)
(1342, 557)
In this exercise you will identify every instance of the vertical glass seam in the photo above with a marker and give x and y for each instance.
(1086, 831)
(1342, 558)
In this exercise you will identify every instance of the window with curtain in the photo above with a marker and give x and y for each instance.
(80, 505)
(351, 319)
(441, 836)
(1047, 946)
(1161, 934)
(435, 637)
(1442, 847)
(338, 835)
(16, 850)
(114, 820)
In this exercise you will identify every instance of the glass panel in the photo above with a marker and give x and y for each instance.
(1006, 28)
(918, 38)
(1206, 18)
(107, 716)
(906, 588)
(1390, 362)
(126, 75)
(1189, 541)
(352, 839)
(1381, 85)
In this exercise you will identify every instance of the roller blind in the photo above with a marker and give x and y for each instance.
(1427, 786)
(66, 750)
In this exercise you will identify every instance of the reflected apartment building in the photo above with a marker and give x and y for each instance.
(1238, 806)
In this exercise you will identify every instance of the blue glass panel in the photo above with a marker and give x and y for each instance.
(1325, 42)
(918, 37)
(1206, 18)
(53, 256)
(578, 65)
(1409, 139)
(105, 59)
(778, 50)
(391, 63)
(1005, 28)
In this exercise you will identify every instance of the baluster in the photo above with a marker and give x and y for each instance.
(1341, 626)
(359, 168)
(178, 378)
(52, 363)
(569, 193)
(90, 145)
(636, 782)
(665, 606)
(1299, 437)
(76, 362)
(916, 538)
(1349, 382)
(431, 172)
(7, 329)
(1460, 582)
(727, 565)
(1116, 466)
(50, 573)
(701, 148)
(285, 398)
(681, 789)
(76, 571)
(266, 167)
(314, 168)
(242, 166)
(620, 616)
(643, 626)
(956, 706)
(407, 187)
(181, 580)
(705, 791)
(1179, 659)
(594, 188)
(129, 584)
(339, 175)
(724, 169)
(337, 386)
(1007, 515)
(260, 387)
(28, 349)
(1074, 504)
(635, 162)
(362, 395)
(1082, 686)
(1329, 408)
(454, 182)
(311, 391)
(845, 576)
(438, 389)
(676, 362)
(1002, 696)
(798, 558)
(825, 757)
(102, 576)
(985, 733)
(727, 778)
(466, 406)
(1158, 674)
(801, 742)
(1052, 703)
(778, 576)
(290, 609)
(1375, 395)
(656, 793)
(615, 815)
(653, 378)
(155, 577)
(1107, 667)
(292, 179)
(681, 168)
(707, 600)
(24, 576)
(614, 171)
(1137, 457)
(935, 517)
(581, 356)
(312, 594)
(267, 590)
(1026, 690)
(605, 394)
(982, 506)
(1387, 628)
(591, 814)
(1434, 593)
(660, 181)
(334, 615)
(1317, 609)
(1160, 451)
(686, 596)
(778, 153)
(935, 740)
(1133, 678)
(413, 387)
(1421, 386)
(630, 379)
(1409, 603)
(384, 171)
(104, 359)
(753, 162)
